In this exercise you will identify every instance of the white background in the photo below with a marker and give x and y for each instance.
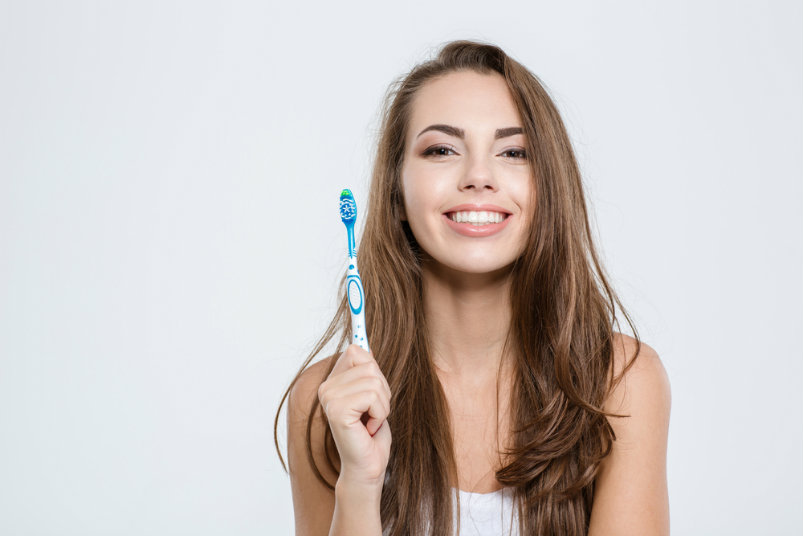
(170, 242)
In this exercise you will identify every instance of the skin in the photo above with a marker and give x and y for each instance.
(466, 279)
(466, 283)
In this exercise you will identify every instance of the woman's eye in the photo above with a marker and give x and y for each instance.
(439, 150)
(515, 153)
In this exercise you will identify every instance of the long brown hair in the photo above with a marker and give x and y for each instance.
(561, 334)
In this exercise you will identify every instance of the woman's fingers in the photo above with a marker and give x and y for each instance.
(358, 372)
(345, 403)
(356, 400)
(373, 425)
(353, 355)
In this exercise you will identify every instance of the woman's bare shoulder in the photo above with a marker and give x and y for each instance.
(301, 401)
(630, 494)
(313, 501)
(640, 363)
(305, 390)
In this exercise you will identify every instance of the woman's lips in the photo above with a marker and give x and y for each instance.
(470, 229)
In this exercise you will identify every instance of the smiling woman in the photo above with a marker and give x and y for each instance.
(465, 170)
(499, 397)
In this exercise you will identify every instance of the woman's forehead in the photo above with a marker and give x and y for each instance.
(464, 99)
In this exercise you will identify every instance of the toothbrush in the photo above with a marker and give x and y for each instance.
(348, 213)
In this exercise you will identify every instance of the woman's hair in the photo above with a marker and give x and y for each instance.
(560, 338)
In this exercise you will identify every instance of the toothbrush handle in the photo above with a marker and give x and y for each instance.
(356, 299)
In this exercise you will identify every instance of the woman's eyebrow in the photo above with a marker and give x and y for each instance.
(460, 133)
(509, 131)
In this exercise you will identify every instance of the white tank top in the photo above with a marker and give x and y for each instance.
(487, 514)
(484, 514)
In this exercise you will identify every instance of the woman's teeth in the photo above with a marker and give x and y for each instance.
(477, 218)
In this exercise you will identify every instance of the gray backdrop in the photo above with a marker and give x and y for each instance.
(170, 242)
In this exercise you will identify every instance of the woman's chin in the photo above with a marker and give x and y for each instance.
(479, 268)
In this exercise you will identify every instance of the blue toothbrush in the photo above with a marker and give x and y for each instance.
(348, 213)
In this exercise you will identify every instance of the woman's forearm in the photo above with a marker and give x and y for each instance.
(356, 510)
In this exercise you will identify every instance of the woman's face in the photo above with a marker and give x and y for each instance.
(467, 185)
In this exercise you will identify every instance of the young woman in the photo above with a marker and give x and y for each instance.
(498, 396)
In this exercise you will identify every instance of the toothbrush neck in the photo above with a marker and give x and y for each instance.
(352, 244)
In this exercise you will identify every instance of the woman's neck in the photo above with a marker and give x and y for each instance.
(468, 317)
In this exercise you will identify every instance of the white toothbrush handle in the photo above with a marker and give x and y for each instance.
(356, 298)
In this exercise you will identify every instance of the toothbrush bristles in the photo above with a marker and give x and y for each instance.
(348, 209)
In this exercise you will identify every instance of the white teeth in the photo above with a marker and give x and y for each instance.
(477, 218)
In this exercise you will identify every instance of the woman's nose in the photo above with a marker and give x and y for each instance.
(478, 175)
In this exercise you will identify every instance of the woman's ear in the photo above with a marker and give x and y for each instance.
(402, 213)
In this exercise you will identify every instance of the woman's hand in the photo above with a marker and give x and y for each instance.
(356, 400)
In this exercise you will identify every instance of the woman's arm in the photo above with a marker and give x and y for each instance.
(355, 398)
(313, 502)
(631, 496)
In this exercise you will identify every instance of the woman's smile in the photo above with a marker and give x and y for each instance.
(477, 220)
